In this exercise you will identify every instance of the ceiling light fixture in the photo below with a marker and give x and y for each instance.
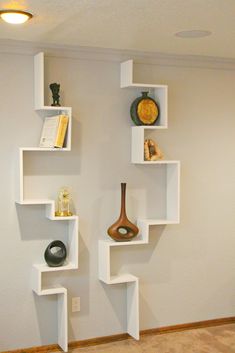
(15, 16)
(193, 34)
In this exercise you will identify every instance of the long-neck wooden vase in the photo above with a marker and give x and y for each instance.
(123, 229)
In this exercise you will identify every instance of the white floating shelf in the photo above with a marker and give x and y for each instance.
(67, 218)
(53, 291)
(38, 270)
(145, 85)
(160, 162)
(57, 109)
(172, 210)
(113, 243)
(158, 91)
(149, 127)
(123, 278)
(35, 202)
(43, 149)
(45, 268)
(157, 222)
(131, 281)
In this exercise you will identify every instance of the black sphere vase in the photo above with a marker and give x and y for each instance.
(55, 254)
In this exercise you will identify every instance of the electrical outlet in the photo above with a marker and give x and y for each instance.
(75, 304)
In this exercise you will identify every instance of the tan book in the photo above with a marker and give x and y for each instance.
(54, 131)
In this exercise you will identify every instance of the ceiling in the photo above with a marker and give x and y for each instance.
(142, 25)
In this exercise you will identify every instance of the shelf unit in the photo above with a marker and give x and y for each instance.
(172, 212)
(38, 270)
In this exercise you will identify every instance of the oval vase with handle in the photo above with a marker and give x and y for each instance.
(123, 229)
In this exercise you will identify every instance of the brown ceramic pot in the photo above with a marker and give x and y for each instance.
(123, 229)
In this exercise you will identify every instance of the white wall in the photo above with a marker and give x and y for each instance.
(187, 271)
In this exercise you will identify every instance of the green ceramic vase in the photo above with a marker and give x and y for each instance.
(144, 110)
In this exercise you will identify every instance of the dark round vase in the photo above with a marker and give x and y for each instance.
(55, 254)
(123, 229)
(144, 110)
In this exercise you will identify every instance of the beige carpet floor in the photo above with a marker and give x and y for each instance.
(218, 339)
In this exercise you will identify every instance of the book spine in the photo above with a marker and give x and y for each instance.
(61, 132)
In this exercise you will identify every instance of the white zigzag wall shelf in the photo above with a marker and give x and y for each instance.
(172, 199)
(72, 243)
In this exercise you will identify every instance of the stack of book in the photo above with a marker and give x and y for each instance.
(54, 131)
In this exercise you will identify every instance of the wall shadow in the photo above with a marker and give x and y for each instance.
(46, 311)
(29, 216)
(131, 255)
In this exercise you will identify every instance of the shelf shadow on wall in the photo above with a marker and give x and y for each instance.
(152, 182)
(78, 282)
(56, 162)
(116, 295)
(147, 312)
(131, 256)
(46, 315)
(146, 195)
(35, 226)
(128, 258)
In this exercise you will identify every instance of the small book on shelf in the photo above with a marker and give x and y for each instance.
(54, 131)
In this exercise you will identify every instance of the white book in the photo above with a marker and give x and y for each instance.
(53, 131)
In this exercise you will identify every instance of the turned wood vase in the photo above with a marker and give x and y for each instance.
(123, 229)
